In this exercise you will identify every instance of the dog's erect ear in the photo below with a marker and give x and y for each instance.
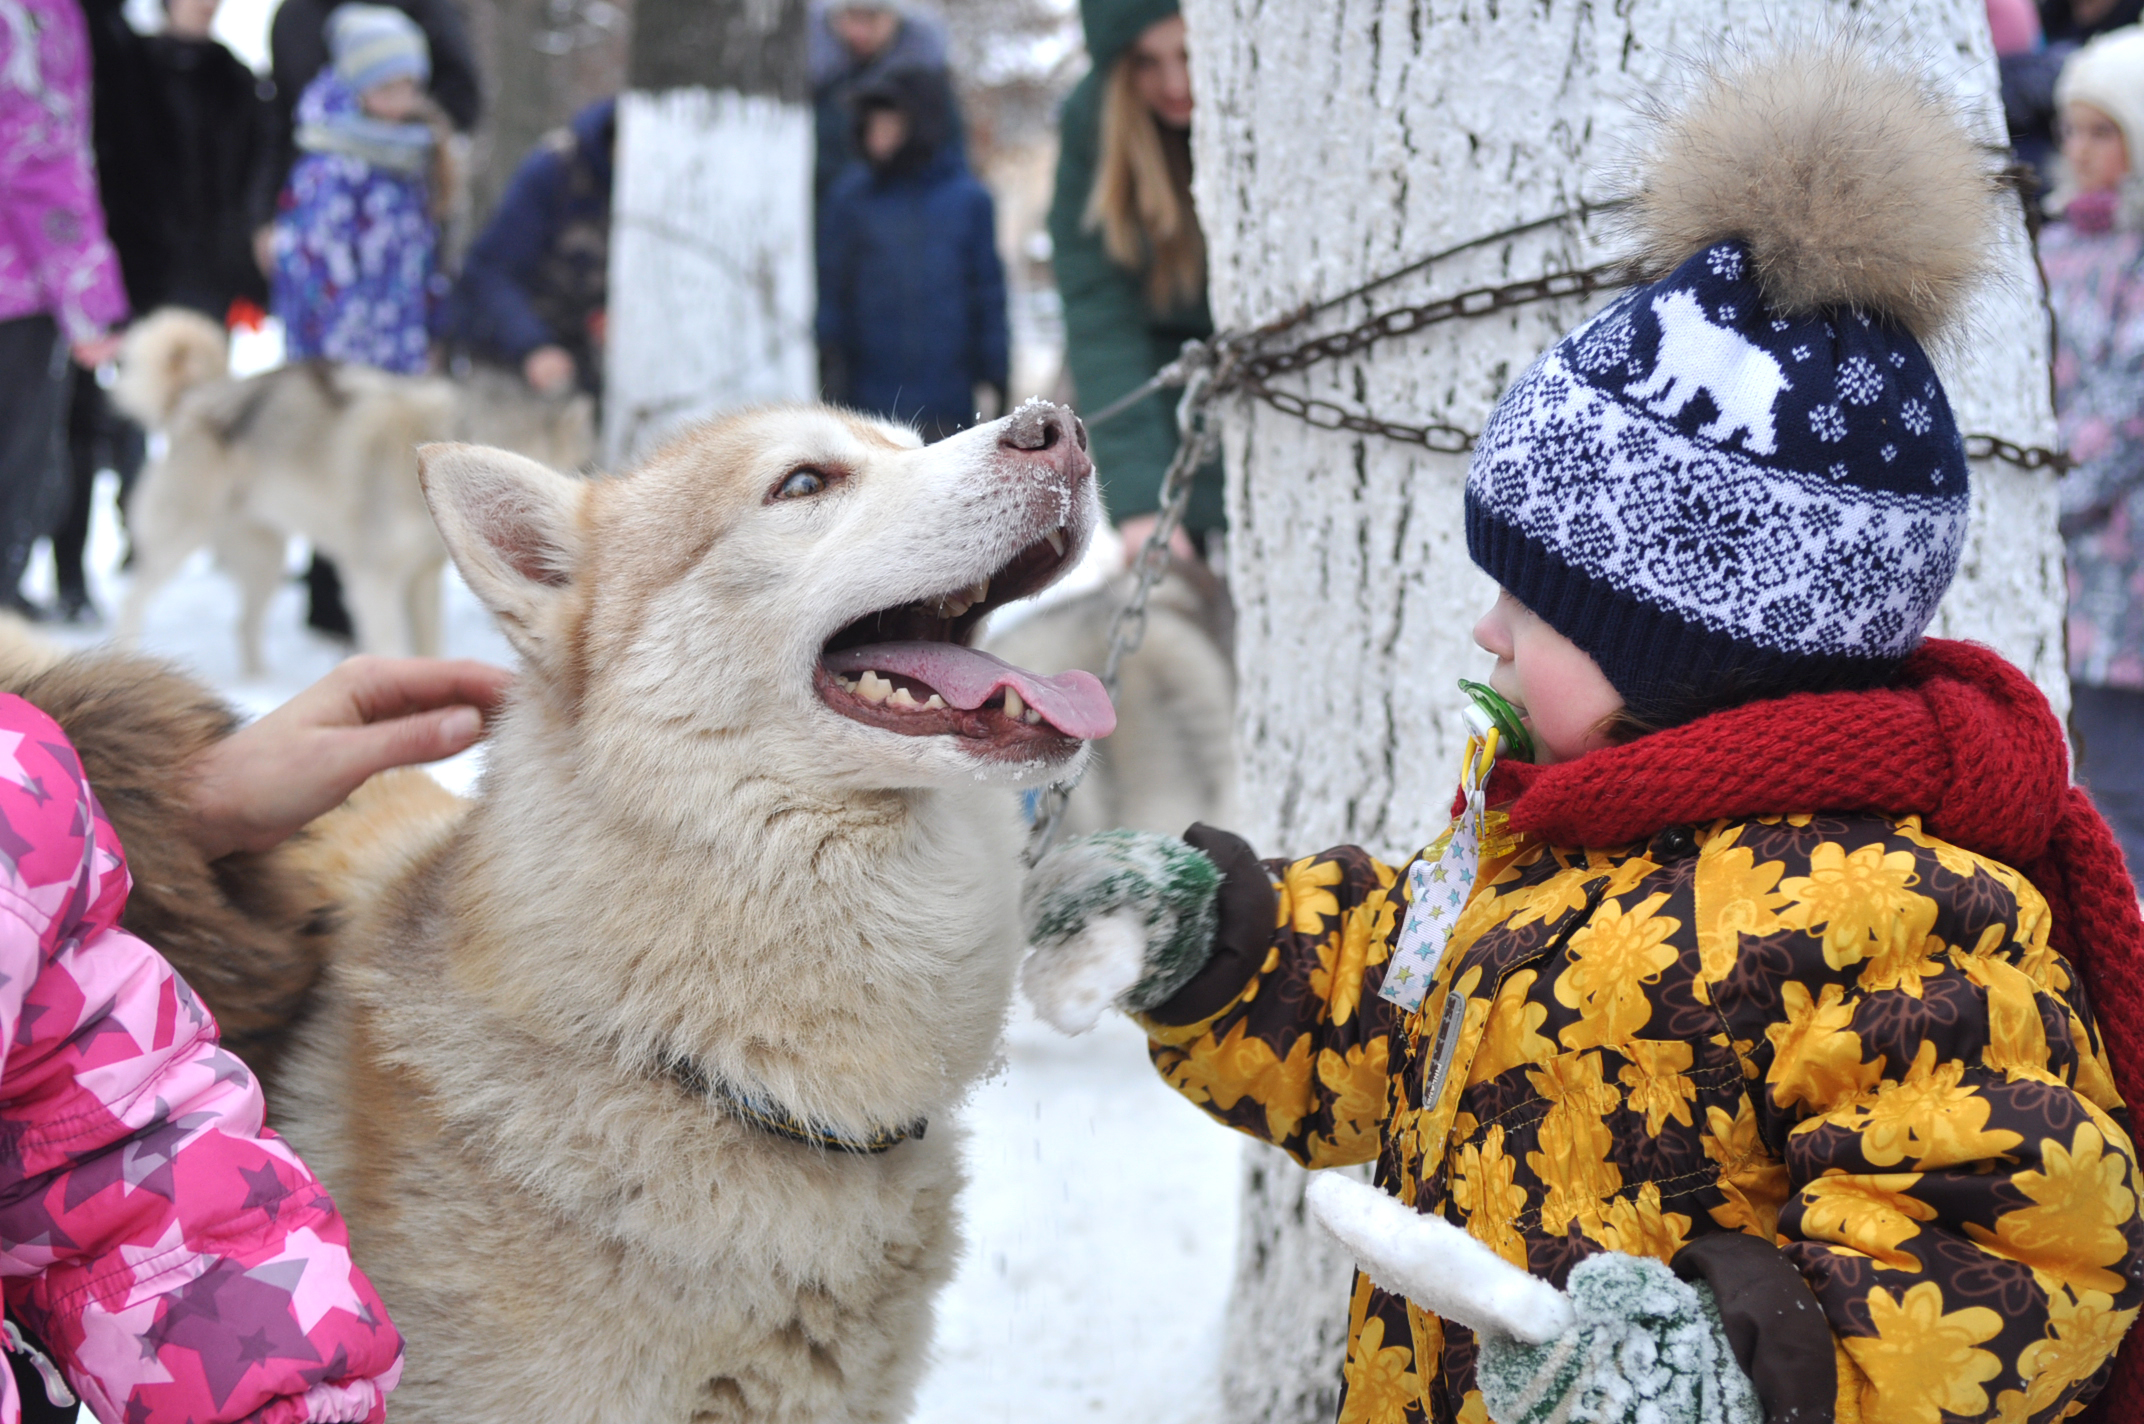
(514, 529)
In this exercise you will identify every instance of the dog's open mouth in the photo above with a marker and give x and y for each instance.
(910, 669)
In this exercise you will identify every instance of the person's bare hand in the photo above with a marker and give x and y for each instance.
(1136, 530)
(548, 369)
(93, 351)
(256, 787)
(264, 249)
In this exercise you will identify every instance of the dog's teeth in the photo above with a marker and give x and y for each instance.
(1031, 717)
(1013, 705)
(902, 697)
(873, 688)
(1057, 541)
(952, 605)
(976, 592)
(936, 703)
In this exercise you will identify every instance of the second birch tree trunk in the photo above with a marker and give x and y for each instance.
(1339, 139)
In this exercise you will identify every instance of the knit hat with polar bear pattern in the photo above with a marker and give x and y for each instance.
(1744, 479)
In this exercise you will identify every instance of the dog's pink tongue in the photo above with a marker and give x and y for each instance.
(1072, 702)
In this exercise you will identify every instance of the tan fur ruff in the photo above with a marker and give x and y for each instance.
(1852, 181)
(247, 932)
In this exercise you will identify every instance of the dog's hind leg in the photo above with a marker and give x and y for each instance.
(253, 555)
(422, 600)
(379, 605)
(165, 530)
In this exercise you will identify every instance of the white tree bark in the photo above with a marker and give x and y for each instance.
(711, 275)
(1339, 139)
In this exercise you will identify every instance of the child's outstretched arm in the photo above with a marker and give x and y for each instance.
(176, 1257)
(1257, 981)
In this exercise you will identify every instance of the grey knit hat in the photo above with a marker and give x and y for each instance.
(372, 45)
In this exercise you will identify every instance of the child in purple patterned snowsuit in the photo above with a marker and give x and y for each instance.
(354, 233)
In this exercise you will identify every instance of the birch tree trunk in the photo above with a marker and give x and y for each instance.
(1337, 140)
(711, 283)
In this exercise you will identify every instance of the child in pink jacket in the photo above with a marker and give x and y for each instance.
(173, 1255)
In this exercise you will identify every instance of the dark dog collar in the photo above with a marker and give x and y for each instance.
(771, 1117)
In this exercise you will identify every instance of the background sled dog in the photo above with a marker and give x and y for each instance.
(316, 449)
(621, 1075)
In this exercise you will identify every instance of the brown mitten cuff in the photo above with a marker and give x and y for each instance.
(1248, 907)
(1774, 1324)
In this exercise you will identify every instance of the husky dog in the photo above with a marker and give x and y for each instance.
(622, 1073)
(316, 449)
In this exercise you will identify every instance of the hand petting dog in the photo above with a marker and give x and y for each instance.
(255, 788)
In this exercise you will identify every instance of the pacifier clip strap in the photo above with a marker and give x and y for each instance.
(1440, 882)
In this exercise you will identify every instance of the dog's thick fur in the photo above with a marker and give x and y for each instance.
(316, 449)
(681, 853)
(1852, 180)
(1171, 760)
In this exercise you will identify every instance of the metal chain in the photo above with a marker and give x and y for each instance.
(1324, 415)
(1127, 630)
(2025, 457)
(1400, 321)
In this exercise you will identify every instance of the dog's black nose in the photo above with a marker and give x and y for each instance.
(1040, 425)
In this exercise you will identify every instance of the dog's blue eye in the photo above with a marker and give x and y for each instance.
(801, 484)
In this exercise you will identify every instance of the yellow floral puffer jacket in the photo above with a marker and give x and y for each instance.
(1838, 1033)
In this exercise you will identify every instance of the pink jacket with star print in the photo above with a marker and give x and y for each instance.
(176, 1257)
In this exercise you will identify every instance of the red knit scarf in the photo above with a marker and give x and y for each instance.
(1963, 739)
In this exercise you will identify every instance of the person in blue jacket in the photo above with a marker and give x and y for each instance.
(533, 292)
(853, 44)
(911, 291)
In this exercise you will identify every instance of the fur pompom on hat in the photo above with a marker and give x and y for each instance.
(1851, 181)
(1744, 479)
(375, 44)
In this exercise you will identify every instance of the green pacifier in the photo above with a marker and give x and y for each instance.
(1489, 709)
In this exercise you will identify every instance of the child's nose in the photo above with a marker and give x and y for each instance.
(1491, 636)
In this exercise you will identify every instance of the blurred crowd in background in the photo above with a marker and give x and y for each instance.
(426, 183)
(1003, 193)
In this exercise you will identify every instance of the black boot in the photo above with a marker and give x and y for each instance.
(326, 613)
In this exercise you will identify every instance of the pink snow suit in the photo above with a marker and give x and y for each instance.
(176, 1256)
(54, 257)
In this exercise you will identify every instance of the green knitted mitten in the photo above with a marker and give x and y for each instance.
(1647, 1348)
(1124, 917)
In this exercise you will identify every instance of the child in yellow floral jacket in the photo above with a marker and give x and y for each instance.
(1794, 960)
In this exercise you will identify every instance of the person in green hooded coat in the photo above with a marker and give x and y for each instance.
(1130, 259)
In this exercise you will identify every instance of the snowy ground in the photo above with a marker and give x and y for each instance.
(1102, 1207)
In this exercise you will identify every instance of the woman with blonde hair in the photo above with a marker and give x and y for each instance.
(1130, 259)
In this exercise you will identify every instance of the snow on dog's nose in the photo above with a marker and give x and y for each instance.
(1044, 438)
